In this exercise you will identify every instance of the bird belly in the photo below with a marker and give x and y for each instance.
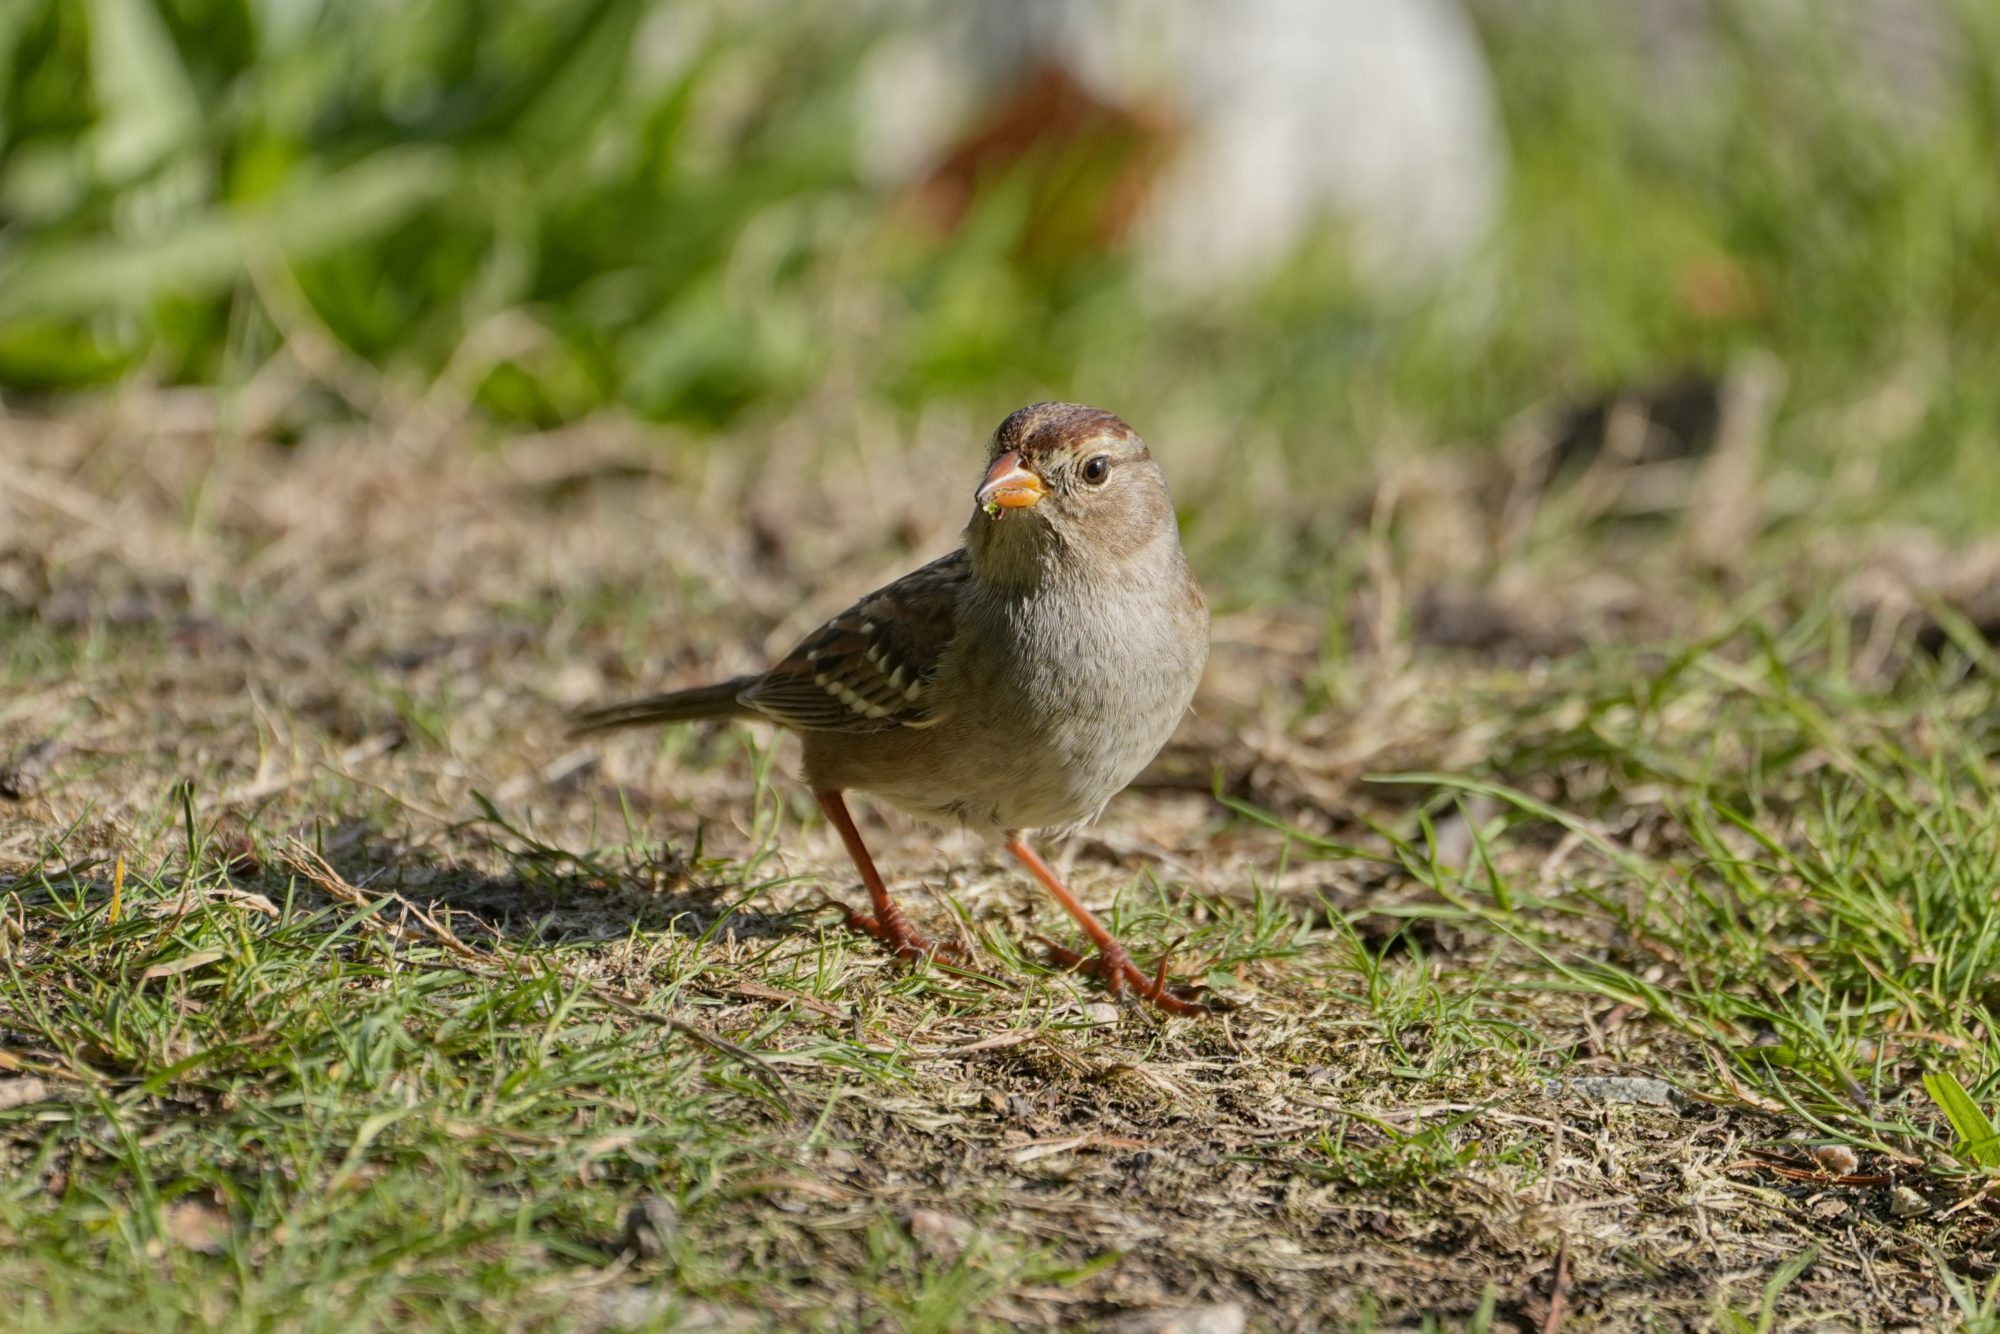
(987, 788)
(1038, 728)
(989, 779)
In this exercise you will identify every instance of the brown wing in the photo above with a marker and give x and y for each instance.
(870, 668)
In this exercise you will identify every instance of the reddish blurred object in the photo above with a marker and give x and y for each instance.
(1215, 138)
(1091, 162)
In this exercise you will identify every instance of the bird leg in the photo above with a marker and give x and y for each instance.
(888, 924)
(1112, 963)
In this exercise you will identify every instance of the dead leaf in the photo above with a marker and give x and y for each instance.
(187, 963)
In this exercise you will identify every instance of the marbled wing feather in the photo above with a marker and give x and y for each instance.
(870, 668)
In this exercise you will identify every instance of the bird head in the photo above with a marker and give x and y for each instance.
(1065, 482)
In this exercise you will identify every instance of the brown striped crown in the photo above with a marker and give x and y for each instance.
(1042, 429)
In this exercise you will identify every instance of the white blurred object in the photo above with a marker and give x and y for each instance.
(1377, 116)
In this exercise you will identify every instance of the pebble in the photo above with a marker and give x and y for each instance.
(939, 1236)
(1906, 1203)
(650, 1224)
(1627, 1089)
(1222, 1318)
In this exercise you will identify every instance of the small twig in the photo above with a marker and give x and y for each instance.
(1558, 1290)
(79, 1074)
(764, 991)
(309, 864)
(1985, 1194)
(998, 1042)
(758, 1065)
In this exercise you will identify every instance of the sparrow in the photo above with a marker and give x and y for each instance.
(1012, 687)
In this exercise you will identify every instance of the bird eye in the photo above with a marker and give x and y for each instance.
(1097, 469)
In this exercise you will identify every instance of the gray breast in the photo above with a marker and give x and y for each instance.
(1060, 702)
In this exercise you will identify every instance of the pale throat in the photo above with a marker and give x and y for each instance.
(1017, 555)
(1017, 551)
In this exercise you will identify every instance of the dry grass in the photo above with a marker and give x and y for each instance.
(595, 976)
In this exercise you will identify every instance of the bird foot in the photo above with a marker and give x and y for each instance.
(904, 941)
(1114, 967)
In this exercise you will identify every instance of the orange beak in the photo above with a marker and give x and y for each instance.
(1010, 485)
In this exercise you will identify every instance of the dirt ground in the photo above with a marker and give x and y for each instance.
(366, 643)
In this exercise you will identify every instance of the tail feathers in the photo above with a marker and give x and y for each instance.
(679, 706)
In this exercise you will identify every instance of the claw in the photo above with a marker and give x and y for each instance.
(888, 924)
(1118, 969)
(904, 941)
(1160, 973)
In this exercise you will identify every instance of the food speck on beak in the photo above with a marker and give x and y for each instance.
(1010, 484)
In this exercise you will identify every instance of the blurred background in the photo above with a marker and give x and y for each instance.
(1298, 243)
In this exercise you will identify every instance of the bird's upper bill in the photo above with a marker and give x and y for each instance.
(1010, 485)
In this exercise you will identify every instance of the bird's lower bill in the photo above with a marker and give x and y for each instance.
(1010, 485)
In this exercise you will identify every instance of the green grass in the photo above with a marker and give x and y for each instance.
(359, 1120)
(316, 1107)
(1816, 908)
(276, 1111)
(501, 334)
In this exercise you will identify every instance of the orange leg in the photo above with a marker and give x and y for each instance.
(888, 925)
(1112, 963)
